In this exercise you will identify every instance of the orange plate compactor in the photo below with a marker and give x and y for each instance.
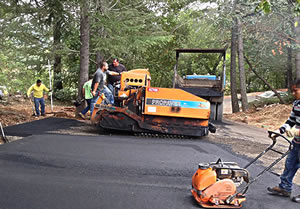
(214, 185)
(144, 109)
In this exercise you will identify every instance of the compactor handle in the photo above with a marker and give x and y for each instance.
(273, 135)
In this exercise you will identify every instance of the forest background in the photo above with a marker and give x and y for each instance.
(71, 36)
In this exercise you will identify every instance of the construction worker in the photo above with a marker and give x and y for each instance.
(115, 67)
(38, 94)
(292, 163)
(98, 84)
(87, 94)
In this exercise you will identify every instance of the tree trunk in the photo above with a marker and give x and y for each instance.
(297, 53)
(289, 66)
(234, 98)
(242, 67)
(100, 8)
(289, 78)
(57, 84)
(84, 50)
(297, 60)
(99, 57)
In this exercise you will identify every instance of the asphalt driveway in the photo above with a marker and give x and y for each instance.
(101, 171)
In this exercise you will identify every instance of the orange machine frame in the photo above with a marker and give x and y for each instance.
(175, 103)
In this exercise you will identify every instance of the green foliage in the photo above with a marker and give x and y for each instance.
(297, 8)
(143, 34)
(66, 94)
(264, 5)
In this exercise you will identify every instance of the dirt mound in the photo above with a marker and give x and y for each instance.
(269, 117)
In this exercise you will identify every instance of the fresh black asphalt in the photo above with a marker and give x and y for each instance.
(41, 126)
(125, 172)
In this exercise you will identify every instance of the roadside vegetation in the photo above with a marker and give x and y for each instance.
(66, 38)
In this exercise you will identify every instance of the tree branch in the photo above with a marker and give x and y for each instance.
(263, 80)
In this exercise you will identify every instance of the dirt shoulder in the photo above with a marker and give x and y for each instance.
(20, 110)
(269, 117)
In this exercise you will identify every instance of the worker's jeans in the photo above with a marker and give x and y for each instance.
(94, 101)
(111, 88)
(292, 164)
(88, 107)
(108, 95)
(37, 102)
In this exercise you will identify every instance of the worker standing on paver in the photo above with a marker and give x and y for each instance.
(38, 95)
(115, 67)
(87, 94)
(98, 85)
(292, 163)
